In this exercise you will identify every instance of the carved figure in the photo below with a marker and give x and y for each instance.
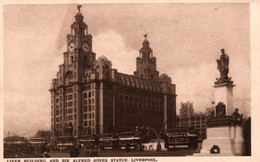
(223, 64)
(78, 6)
(237, 118)
(220, 110)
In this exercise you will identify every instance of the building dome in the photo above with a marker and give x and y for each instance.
(164, 78)
(78, 14)
(102, 58)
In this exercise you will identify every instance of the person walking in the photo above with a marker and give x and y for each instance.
(159, 147)
(45, 150)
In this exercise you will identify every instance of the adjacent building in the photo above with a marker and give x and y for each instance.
(186, 112)
(188, 118)
(89, 97)
(199, 122)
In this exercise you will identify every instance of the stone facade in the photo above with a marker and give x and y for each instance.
(89, 97)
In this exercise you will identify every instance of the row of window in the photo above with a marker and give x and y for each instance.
(88, 87)
(70, 117)
(130, 99)
(88, 101)
(88, 94)
(136, 107)
(139, 84)
(88, 108)
(89, 116)
(89, 123)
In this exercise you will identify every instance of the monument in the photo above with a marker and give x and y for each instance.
(224, 132)
(224, 85)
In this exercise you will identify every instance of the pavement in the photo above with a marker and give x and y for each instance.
(110, 153)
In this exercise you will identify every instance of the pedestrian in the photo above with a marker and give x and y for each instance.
(142, 148)
(74, 152)
(45, 150)
(159, 147)
(128, 147)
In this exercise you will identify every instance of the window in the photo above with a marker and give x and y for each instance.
(70, 90)
(89, 115)
(70, 117)
(89, 123)
(70, 97)
(85, 116)
(69, 104)
(85, 123)
(85, 108)
(70, 110)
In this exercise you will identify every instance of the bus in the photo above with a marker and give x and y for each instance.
(108, 142)
(129, 139)
(87, 142)
(180, 138)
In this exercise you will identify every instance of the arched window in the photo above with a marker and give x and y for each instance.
(69, 77)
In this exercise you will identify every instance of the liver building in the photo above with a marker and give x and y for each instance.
(89, 97)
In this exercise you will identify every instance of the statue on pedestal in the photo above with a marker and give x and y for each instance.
(237, 118)
(223, 68)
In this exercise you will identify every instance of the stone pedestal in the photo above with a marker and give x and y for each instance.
(224, 94)
(228, 138)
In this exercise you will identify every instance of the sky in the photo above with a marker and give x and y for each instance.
(186, 40)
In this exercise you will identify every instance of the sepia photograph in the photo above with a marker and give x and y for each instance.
(135, 80)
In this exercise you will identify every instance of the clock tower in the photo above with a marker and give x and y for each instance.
(146, 63)
(79, 56)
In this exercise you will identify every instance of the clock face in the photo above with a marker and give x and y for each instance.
(85, 47)
(71, 46)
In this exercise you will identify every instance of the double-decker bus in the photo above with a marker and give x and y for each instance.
(37, 142)
(87, 142)
(129, 139)
(193, 138)
(108, 142)
(180, 138)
